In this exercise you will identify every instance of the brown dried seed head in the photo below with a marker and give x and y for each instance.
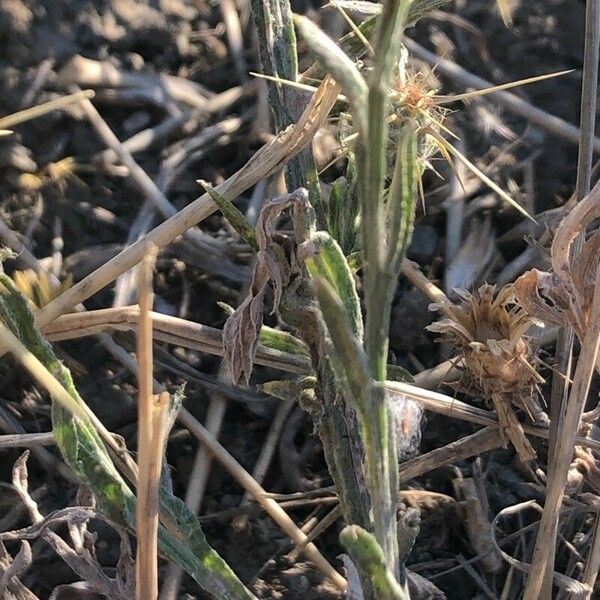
(488, 332)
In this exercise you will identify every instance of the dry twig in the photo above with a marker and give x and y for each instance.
(150, 438)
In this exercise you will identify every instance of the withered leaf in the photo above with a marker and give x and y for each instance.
(565, 295)
(241, 330)
(585, 269)
(10, 571)
(540, 294)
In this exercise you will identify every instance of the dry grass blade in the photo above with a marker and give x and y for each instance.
(149, 443)
(42, 109)
(268, 450)
(229, 463)
(448, 147)
(208, 339)
(268, 504)
(61, 395)
(139, 176)
(577, 590)
(266, 161)
(47, 380)
(87, 72)
(446, 405)
(234, 37)
(26, 440)
(169, 329)
(472, 445)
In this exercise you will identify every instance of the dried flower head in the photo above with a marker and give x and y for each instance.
(488, 331)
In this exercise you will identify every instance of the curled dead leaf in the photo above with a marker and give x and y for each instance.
(241, 330)
(565, 296)
(541, 295)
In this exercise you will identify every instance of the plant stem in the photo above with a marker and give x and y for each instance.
(382, 465)
(564, 344)
(277, 48)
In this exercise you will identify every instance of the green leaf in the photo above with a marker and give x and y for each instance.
(369, 559)
(337, 203)
(236, 219)
(282, 340)
(84, 451)
(184, 543)
(349, 362)
(324, 259)
(402, 196)
(344, 209)
(278, 58)
(315, 198)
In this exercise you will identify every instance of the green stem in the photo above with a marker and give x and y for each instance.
(278, 57)
(379, 283)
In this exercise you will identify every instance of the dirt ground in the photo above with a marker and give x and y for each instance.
(92, 205)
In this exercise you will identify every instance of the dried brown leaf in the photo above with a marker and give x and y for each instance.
(241, 330)
(565, 295)
(79, 556)
(540, 295)
(585, 269)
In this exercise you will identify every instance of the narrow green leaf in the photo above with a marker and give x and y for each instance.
(278, 58)
(388, 41)
(282, 340)
(337, 204)
(185, 544)
(236, 218)
(350, 361)
(316, 198)
(369, 559)
(84, 451)
(402, 196)
(324, 258)
(344, 209)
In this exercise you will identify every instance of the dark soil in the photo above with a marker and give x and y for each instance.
(96, 207)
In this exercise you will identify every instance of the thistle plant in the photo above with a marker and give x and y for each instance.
(499, 361)
(391, 127)
(366, 222)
